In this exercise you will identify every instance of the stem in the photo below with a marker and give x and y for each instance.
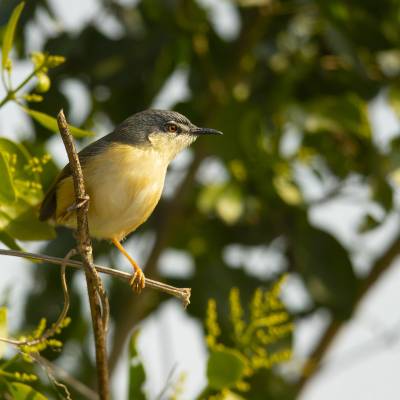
(12, 92)
(97, 298)
(5, 100)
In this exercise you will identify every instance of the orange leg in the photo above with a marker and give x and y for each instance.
(138, 280)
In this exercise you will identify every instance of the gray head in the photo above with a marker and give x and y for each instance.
(165, 131)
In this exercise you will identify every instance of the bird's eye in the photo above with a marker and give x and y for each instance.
(172, 128)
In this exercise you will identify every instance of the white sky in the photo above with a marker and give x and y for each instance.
(363, 361)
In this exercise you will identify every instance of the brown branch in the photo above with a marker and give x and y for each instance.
(313, 365)
(97, 297)
(183, 294)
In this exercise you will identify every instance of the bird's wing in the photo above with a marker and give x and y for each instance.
(49, 203)
(48, 207)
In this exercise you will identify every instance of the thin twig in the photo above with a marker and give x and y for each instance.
(56, 326)
(11, 93)
(54, 370)
(183, 294)
(49, 372)
(96, 293)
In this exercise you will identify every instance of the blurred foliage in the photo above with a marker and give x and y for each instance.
(21, 172)
(290, 88)
(17, 373)
(261, 343)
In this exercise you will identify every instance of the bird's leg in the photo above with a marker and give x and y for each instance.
(137, 282)
(78, 204)
(73, 207)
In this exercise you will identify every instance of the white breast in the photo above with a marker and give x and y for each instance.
(124, 187)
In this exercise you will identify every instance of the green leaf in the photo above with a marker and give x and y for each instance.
(10, 147)
(137, 374)
(27, 226)
(6, 239)
(9, 34)
(3, 328)
(7, 191)
(382, 192)
(21, 391)
(225, 368)
(22, 176)
(51, 123)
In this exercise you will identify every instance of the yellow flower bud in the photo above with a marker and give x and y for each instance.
(55, 61)
(43, 84)
(34, 98)
(37, 58)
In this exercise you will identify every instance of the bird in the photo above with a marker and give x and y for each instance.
(124, 175)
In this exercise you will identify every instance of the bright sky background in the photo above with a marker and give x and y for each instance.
(364, 361)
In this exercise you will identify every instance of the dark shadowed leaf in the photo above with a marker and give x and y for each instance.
(326, 269)
(382, 192)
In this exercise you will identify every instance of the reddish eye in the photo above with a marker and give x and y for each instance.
(172, 128)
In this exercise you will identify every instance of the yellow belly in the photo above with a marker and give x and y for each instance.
(124, 184)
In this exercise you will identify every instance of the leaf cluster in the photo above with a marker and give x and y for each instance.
(17, 373)
(262, 342)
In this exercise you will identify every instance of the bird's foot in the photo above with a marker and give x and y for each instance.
(138, 281)
(80, 203)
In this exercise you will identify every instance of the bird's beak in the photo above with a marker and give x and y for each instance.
(204, 131)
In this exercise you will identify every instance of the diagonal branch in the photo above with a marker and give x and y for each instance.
(381, 265)
(97, 297)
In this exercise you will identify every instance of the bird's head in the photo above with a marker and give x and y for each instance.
(167, 132)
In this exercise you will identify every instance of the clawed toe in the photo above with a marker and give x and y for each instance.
(138, 281)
